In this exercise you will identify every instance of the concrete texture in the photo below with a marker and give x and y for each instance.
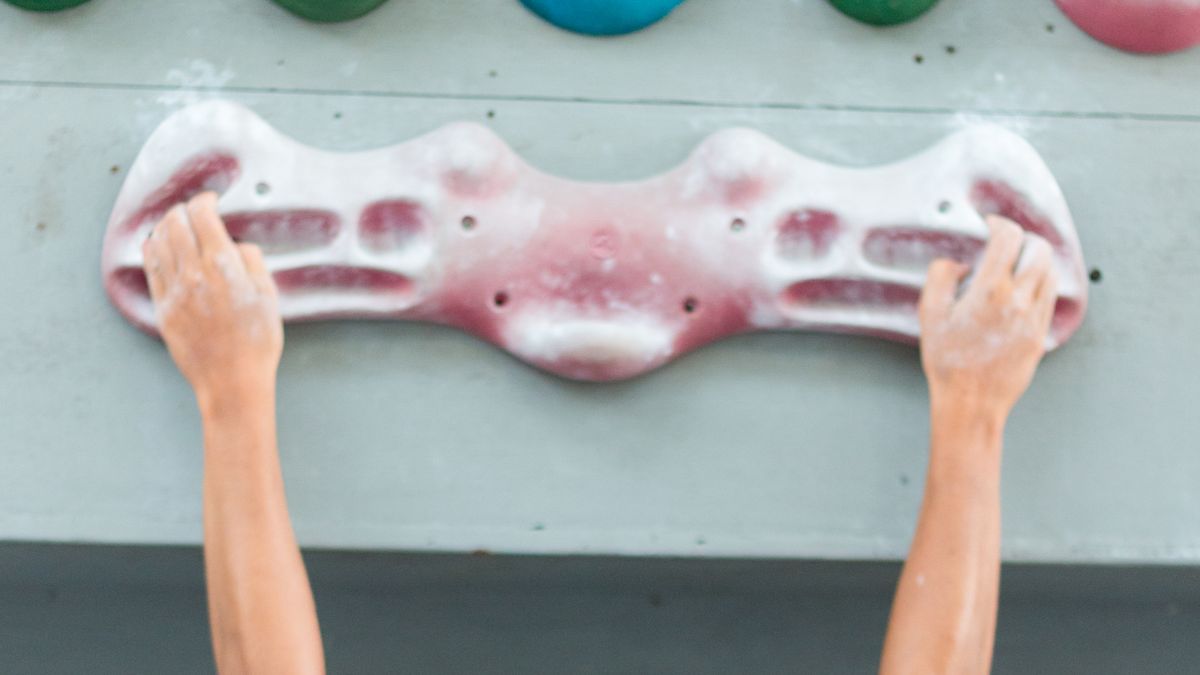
(76, 609)
(399, 436)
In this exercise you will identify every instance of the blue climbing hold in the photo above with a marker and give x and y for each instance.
(602, 17)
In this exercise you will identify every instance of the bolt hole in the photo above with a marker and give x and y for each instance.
(262, 188)
(737, 225)
(919, 59)
(500, 299)
(951, 49)
(944, 207)
(1095, 275)
(468, 223)
(1049, 28)
(690, 305)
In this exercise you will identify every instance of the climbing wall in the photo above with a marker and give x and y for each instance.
(410, 436)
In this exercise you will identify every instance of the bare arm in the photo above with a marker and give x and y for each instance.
(979, 352)
(217, 312)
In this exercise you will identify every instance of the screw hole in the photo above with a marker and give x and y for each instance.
(1095, 275)
(918, 58)
(951, 49)
(1049, 28)
(468, 223)
(737, 225)
(690, 305)
(262, 188)
(944, 207)
(500, 299)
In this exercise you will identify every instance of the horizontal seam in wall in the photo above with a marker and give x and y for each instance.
(586, 100)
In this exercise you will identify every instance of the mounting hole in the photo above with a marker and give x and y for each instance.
(1095, 275)
(737, 224)
(468, 223)
(690, 305)
(500, 299)
(262, 187)
(944, 206)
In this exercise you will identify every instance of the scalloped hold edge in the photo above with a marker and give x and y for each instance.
(592, 281)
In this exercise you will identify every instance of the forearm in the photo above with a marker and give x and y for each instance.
(943, 619)
(260, 604)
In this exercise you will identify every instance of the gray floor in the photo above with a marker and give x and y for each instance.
(90, 609)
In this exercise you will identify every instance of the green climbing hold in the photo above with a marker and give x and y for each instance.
(46, 5)
(883, 12)
(330, 10)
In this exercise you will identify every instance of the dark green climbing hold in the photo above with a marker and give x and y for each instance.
(330, 10)
(46, 5)
(883, 12)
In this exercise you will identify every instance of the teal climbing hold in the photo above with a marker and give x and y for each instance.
(330, 10)
(46, 5)
(602, 17)
(884, 12)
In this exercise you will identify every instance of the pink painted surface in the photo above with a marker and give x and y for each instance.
(1147, 26)
(591, 281)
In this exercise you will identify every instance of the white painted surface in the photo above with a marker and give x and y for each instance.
(402, 436)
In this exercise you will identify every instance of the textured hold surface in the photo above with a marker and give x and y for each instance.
(602, 17)
(1148, 26)
(330, 10)
(884, 12)
(588, 280)
(46, 5)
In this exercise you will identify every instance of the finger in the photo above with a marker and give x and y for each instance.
(152, 265)
(256, 268)
(211, 235)
(157, 242)
(1037, 263)
(180, 239)
(1000, 256)
(941, 288)
(1045, 299)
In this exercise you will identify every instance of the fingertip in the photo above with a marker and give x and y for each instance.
(203, 200)
(942, 268)
(1003, 228)
(250, 252)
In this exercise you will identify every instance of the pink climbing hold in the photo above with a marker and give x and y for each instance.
(1146, 26)
(591, 281)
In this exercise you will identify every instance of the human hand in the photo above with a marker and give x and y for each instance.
(215, 300)
(982, 348)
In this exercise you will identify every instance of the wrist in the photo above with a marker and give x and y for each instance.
(967, 410)
(967, 439)
(235, 396)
